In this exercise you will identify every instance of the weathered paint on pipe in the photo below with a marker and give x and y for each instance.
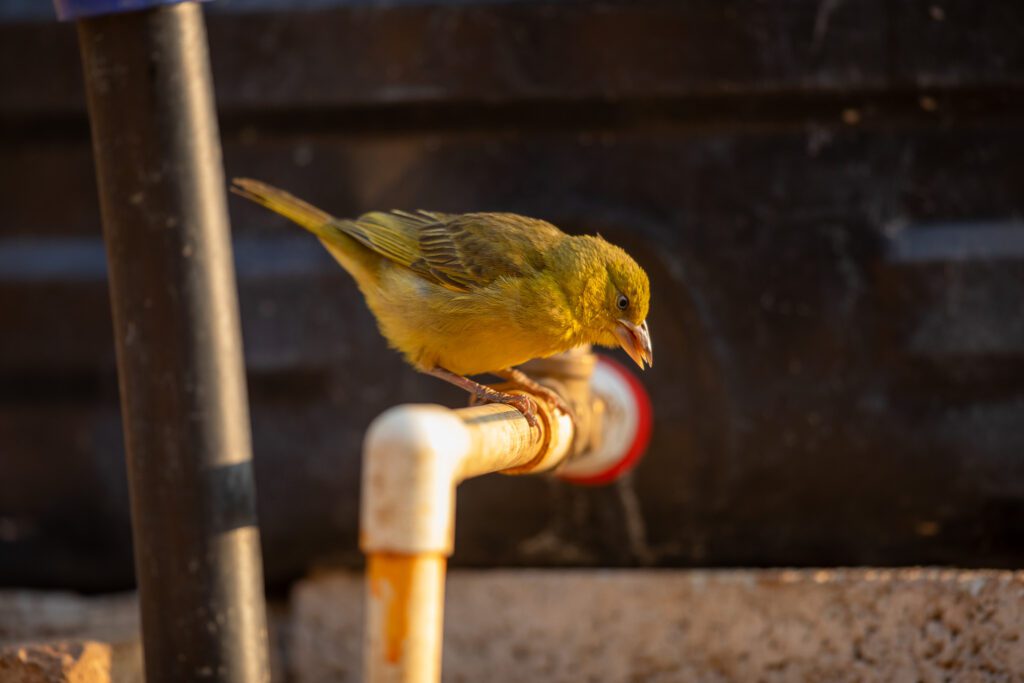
(405, 602)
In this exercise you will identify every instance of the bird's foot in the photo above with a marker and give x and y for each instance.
(483, 394)
(553, 398)
(524, 404)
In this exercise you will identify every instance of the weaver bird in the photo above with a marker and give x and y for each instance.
(466, 294)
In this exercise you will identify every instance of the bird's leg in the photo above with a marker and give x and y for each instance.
(521, 379)
(521, 403)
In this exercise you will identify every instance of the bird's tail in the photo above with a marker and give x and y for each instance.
(318, 222)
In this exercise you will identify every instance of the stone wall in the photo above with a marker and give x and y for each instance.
(600, 626)
(889, 626)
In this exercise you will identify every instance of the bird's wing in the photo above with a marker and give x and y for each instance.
(459, 252)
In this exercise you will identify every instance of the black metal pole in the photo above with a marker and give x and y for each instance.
(179, 353)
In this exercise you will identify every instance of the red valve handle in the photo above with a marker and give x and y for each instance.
(619, 386)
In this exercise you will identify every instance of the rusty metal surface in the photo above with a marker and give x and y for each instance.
(828, 198)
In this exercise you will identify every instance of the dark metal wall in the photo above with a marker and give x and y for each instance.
(828, 196)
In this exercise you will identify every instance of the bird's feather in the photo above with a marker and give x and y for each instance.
(458, 252)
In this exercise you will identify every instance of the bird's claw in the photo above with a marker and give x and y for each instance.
(526, 406)
(554, 399)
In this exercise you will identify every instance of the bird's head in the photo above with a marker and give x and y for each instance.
(621, 299)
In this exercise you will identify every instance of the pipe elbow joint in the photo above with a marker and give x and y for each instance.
(411, 464)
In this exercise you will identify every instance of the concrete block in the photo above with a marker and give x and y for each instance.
(57, 636)
(871, 625)
(71, 662)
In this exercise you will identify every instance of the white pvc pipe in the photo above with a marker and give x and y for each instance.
(414, 457)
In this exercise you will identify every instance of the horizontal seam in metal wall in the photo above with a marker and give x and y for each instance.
(920, 109)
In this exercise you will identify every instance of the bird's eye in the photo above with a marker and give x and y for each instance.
(622, 302)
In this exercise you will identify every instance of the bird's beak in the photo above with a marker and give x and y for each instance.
(636, 341)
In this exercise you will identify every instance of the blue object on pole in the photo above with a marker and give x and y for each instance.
(72, 10)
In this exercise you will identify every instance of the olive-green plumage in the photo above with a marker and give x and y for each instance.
(479, 292)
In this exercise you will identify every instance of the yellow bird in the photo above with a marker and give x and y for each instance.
(465, 294)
